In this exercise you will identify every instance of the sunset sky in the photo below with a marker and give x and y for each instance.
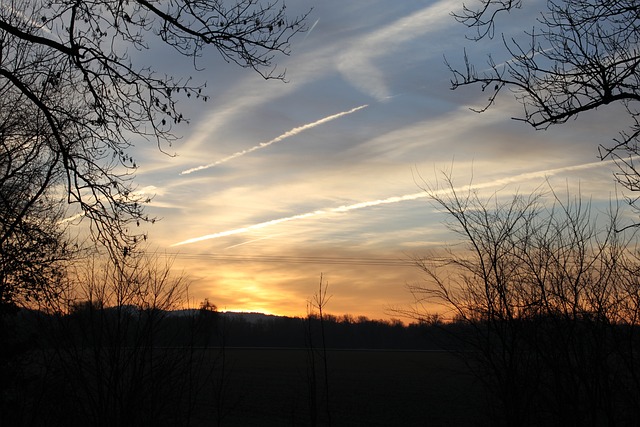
(275, 183)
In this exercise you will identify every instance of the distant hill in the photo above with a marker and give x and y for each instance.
(251, 317)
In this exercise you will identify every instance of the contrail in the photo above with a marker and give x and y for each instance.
(71, 218)
(253, 240)
(311, 29)
(395, 199)
(250, 227)
(27, 20)
(287, 134)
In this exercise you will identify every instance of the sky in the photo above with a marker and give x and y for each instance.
(274, 184)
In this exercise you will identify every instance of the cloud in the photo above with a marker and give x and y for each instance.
(249, 228)
(292, 132)
(252, 92)
(351, 56)
(356, 63)
(396, 199)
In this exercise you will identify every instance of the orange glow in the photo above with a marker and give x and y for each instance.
(285, 288)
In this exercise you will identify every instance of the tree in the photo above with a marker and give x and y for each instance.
(33, 243)
(109, 353)
(70, 79)
(35, 247)
(546, 299)
(316, 314)
(581, 55)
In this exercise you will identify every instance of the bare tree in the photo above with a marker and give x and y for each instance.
(318, 355)
(33, 238)
(35, 247)
(580, 55)
(108, 354)
(546, 300)
(70, 66)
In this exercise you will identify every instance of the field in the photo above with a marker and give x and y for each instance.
(90, 375)
(269, 387)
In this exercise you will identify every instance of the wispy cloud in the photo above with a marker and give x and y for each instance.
(396, 199)
(357, 62)
(292, 132)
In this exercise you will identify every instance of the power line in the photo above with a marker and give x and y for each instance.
(288, 259)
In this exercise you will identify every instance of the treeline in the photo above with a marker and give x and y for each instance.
(344, 332)
(88, 326)
(126, 365)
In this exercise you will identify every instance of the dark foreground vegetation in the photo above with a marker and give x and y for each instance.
(549, 297)
(121, 366)
(126, 366)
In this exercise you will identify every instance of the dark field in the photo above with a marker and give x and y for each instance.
(269, 387)
(78, 371)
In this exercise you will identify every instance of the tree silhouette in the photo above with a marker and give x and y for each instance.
(548, 295)
(580, 56)
(317, 361)
(71, 68)
(33, 242)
